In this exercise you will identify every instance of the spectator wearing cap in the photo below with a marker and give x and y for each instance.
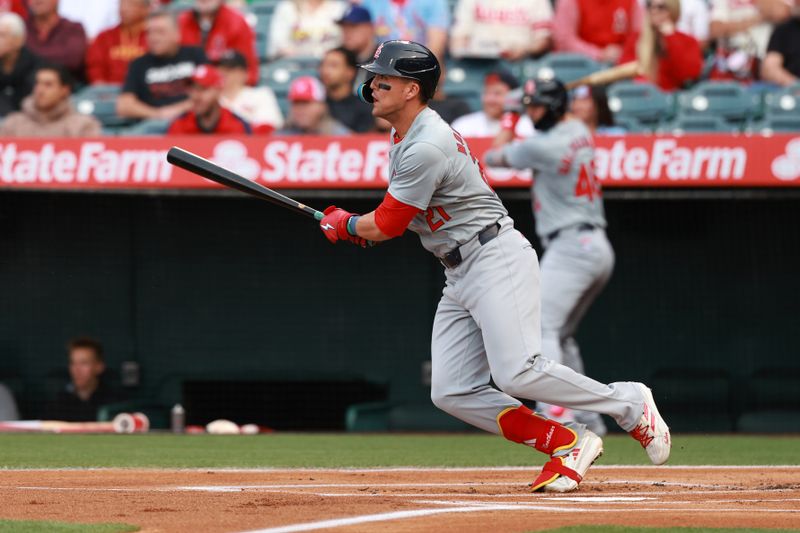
(486, 122)
(358, 33)
(14, 6)
(48, 111)
(667, 57)
(337, 71)
(110, 54)
(17, 64)
(423, 21)
(218, 28)
(742, 32)
(511, 29)
(157, 84)
(257, 105)
(589, 103)
(782, 64)
(206, 114)
(308, 112)
(595, 29)
(304, 28)
(56, 39)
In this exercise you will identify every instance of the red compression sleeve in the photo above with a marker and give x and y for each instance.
(393, 216)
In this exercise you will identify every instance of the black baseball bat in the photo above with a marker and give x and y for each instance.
(203, 167)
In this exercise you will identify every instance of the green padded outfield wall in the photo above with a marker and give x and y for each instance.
(232, 286)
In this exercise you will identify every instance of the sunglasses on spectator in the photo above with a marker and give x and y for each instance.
(659, 6)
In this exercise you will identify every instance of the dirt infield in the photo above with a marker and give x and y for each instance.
(406, 500)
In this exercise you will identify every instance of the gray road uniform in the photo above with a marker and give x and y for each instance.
(570, 221)
(487, 322)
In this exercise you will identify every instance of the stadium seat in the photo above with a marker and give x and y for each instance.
(783, 102)
(643, 102)
(697, 124)
(566, 67)
(279, 74)
(101, 101)
(775, 124)
(265, 7)
(631, 124)
(729, 100)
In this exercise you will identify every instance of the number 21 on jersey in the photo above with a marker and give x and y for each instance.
(587, 184)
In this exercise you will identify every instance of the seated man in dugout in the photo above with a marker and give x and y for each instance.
(86, 392)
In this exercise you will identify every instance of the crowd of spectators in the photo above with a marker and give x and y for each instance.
(153, 51)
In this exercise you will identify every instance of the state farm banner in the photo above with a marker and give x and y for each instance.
(361, 162)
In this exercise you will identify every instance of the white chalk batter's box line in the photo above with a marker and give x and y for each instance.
(392, 469)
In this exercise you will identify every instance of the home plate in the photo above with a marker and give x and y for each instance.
(600, 499)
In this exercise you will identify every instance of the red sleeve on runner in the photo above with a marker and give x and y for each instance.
(393, 216)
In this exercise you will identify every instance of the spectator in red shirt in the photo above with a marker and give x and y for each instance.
(206, 115)
(596, 28)
(667, 57)
(14, 6)
(109, 55)
(218, 28)
(55, 39)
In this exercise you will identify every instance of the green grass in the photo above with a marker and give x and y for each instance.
(39, 526)
(352, 450)
(626, 529)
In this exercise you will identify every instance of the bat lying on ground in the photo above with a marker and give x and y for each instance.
(122, 423)
(609, 75)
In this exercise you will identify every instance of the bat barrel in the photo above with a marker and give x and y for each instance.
(210, 170)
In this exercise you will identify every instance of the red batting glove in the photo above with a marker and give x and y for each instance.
(334, 226)
(508, 121)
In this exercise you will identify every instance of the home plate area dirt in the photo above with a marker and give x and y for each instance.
(405, 500)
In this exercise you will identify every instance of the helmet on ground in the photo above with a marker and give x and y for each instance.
(551, 94)
(405, 59)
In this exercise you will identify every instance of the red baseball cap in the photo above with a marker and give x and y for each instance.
(306, 89)
(207, 76)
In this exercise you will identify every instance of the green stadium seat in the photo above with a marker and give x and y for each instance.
(631, 124)
(694, 399)
(643, 102)
(279, 74)
(525, 69)
(565, 66)
(729, 100)
(697, 124)
(772, 402)
(775, 124)
(101, 101)
(783, 102)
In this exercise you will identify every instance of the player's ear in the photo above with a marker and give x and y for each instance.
(412, 90)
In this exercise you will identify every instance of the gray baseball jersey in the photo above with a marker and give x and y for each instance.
(565, 191)
(433, 170)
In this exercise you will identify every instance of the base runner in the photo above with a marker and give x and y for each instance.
(570, 222)
(487, 323)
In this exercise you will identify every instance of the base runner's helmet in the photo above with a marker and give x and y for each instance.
(551, 94)
(405, 59)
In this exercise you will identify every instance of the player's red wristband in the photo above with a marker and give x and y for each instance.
(509, 121)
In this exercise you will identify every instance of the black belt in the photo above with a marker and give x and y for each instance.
(453, 258)
(580, 227)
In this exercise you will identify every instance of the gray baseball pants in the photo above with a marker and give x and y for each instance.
(487, 326)
(576, 266)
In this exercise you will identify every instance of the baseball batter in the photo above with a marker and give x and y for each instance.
(570, 222)
(487, 323)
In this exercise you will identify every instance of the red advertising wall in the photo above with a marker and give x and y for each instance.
(361, 161)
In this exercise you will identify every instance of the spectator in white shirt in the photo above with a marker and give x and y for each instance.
(94, 18)
(304, 28)
(486, 122)
(257, 105)
(742, 29)
(511, 29)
